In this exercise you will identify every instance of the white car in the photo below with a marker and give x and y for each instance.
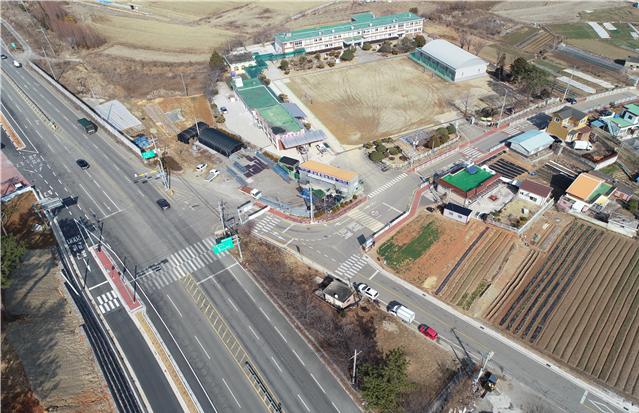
(256, 193)
(200, 167)
(17, 64)
(367, 291)
(213, 173)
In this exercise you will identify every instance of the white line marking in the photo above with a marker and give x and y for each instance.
(318, 384)
(265, 315)
(374, 274)
(335, 407)
(233, 304)
(300, 397)
(254, 333)
(281, 335)
(91, 198)
(287, 228)
(175, 306)
(202, 347)
(213, 275)
(229, 389)
(276, 365)
(583, 398)
(298, 357)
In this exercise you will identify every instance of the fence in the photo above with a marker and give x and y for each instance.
(87, 110)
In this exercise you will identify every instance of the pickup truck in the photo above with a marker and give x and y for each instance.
(89, 127)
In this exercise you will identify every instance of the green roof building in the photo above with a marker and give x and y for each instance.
(363, 27)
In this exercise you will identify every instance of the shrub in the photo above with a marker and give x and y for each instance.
(442, 132)
(368, 145)
(331, 63)
(451, 129)
(283, 97)
(386, 47)
(284, 64)
(380, 148)
(348, 54)
(376, 156)
(321, 65)
(420, 40)
(318, 56)
(302, 59)
(394, 150)
(367, 46)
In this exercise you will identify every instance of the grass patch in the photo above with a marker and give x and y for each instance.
(611, 169)
(574, 31)
(623, 13)
(549, 66)
(467, 300)
(518, 36)
(396, 256)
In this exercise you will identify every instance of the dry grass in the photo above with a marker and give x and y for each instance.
(361, 103)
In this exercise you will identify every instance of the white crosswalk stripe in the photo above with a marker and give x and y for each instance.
(470, 153)
(366, 220)
(351, 266)
(108, 302)
(267, 223)
(512, 130)
(387, 185)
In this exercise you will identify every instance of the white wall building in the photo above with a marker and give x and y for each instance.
(534, 192)
(363, 27)
(457, 212)
(449, 61)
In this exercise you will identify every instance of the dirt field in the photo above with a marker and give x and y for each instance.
(364, 102)
(546, 12)
(477, 271)
(428, 270)
(578, 303)
(22, 221)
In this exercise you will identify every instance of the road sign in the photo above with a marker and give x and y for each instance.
(223, 245)
(148, 154)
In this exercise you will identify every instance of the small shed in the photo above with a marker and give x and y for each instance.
(219, 141)
(337, 293)
(288, 162)
(534, 192)
(531, 142)
(457, 212)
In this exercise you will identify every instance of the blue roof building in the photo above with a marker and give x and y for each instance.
(530, 142)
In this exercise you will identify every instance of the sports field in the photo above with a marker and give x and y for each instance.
(363, 102)
(257, 96)
(465, 180)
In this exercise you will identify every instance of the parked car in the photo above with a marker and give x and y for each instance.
(200, 167)
(82, 164)
(320, 148)
(89, 127)
(213, 173)
(17, 64)
(429, 332)
(367, 291)
(572, 101)
(163, 204)
(4, 56)
(223, 109)
(405, 314)
(256, 193)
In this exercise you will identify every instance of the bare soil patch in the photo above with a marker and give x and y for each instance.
(363, 102)
(24, 223)
(47, 335)
(546, 12)
(428, 271)
(17, 395)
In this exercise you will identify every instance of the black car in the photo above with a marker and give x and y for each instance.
(163, 203)
(82, 163)
(572, 101)
(4, 56)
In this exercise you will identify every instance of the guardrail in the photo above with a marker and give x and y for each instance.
(31, 103)
(125, 139)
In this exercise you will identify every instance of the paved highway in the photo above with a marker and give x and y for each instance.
(124, 215)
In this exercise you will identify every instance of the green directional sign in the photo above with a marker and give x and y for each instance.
(223, 245)
(148, 154)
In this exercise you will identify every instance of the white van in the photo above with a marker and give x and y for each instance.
(403, 313)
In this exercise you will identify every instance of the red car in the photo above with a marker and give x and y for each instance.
(428, 331)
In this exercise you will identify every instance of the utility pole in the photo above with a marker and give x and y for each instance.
(311, 195)
(503, 104)
(354, 365)
(483, 367)
(163, 171)
(220, 206)
(186, 94)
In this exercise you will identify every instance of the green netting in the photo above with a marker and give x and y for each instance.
(466, 181)
(438, 69)
(602, 189)
(255, 71)
(278, 117)
(268, 57)
(257, 97)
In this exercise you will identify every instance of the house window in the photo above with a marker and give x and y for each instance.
(459, 216)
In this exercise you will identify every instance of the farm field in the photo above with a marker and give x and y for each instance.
(478, 270)
(579, 303)
(425, 250)
(363, 102)
(547, 12)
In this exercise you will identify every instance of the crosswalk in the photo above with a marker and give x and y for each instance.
(267, 223)
(366, 220)
(108, 302)
(180, 264)
(351, 266)
(387, 185)
(470, 153)
(512, 130)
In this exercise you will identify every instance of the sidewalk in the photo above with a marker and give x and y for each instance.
(115, 279)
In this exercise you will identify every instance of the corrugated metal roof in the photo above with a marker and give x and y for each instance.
(632, 108)
(329, 170)
(452, 55)
(535, 188)
(458, 209)
(345, 27)
(583, 186)
(532, 140)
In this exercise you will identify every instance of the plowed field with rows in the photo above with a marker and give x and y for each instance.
(579, 303)
(478, 269)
